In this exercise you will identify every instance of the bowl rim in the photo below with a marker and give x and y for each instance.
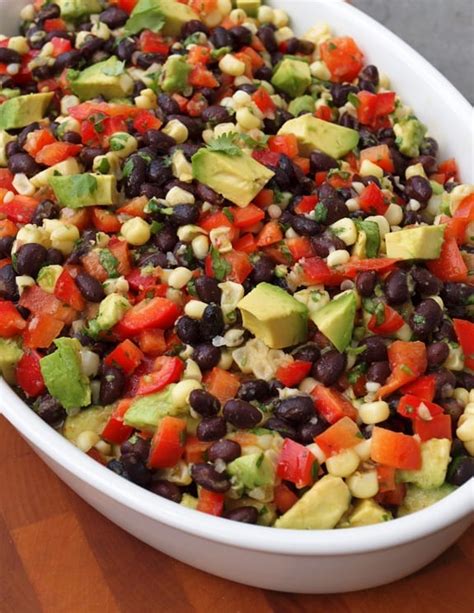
(416, 526)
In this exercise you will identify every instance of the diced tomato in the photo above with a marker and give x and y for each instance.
(395, 449)
(407, 363)
(449, 168)
(40, 302)
(28, 374)
(41, 331)
(166, 370)
(139, 282)
(382, 265)
(344, 434)
(126, 355)
(152, 342)
(222, 384)
(266, 157)
(209, 502)
(465, 332)
(317, 271)
(60, 45)
(127, 5)
(155, 313)
(371, 107)
(332, 405)
(85, 110)
(303, 164)
(167, 445)
(343, 58)
(439, 426)
(295, 464)
(465, 209)
(292, 374)
(67, 291)
(324, 112)
(340, 180)
(455, 227)
(393, 497)
(300, 247)
(202, 77)
(218, 220)
(264, 102)
(144, 121)
(392, 322)
(256, 60)
(240, 266)
(264, 198)
(197, 105)
(50, 25)
(450, 265)
(248, 216)
(199, 55)
(306, 204)
(151, 42)
(134, 208)
(119, 249)
(320, 177)
(285, 144)
(6, 179)
(372, 200)
(195, 450)
(115, 431)
(423, 388)
(93, 267)
(246, 244)
(11, 322)
(385, 103)
(38, 139)
(413, 407)
(19, 209)
(379, 155)
(270, 234)
(89, 135)
(7, 228)
(105, 221)
(386, 478)
(284, 498)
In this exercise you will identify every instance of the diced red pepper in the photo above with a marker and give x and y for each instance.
(28, 374)
(152, 342)
(465, 209)
(85, 110)
(105, 221)
(372, 200)
(264, 102)
(138, 281)
(382, 265)
(168, 443)
(115, 431)
(296, 463)
(126, 355)
(316, 271)
(266, 157)
(324, 112)
(195, 450)
(306, 204)
(200, 76)
(166, 370)
(449, 168)
(19, 209)
(41, 331)
(247, 217)
(198, 54)
(41, 303)
(423, 388)
(407, 363)
(155, 313)
(379, 155)
(151, 42)
(292, 374)
(264, 198)
(465, 332)
(332, 405)
(413, 407)
(343, 58)
(211, 503)
(222, 384)
(11, 322)
(246, 243)
(395, 449)
(393, 497)
(439, 426)
(6, 179)
(450, 265)
(392, 322)
(386, 478)
(240, 266)
(145, 121)
(127, 5)
(285, 144)
(197, 105)
(300, 247)
(344, 434)
(36, 140)
(60, 45)
(284, 498)
(67, 291)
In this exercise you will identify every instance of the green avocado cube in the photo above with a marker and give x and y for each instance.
(77, 191)
(417, 499)
(302, 104)
(175, 74)
(237, 178)
(252, 470)
(273, 316)
(409, 134)
(292, 77)
(10, 354)
(74, 9)
(249, 6)
(417, 243)
(434, 465)
(63, 375)
(336, 319)
(146, 412)
(372, 237)
(21, 111)
(165, 16)
(313, 133)
(108, 79)
(366, 513)
(92, 419)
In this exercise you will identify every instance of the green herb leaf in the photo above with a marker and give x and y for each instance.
(109, 262)
(217, 54)
(226, 143)
(353, 99)
(220, 266)
(156, 226)
(251, 143)
(228, 213)
(406, 369)
(321, 212)
(355, 374)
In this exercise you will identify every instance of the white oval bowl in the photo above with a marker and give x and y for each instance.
(321, 561)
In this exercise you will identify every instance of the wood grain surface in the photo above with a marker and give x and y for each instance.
(57, 554)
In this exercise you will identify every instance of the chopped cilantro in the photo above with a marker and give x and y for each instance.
(127, 168)
(406, 369)
(315, 470)
(220, 266)
(355, 374)
(228, 213)
(191, 287)
(84, 185)
(109, 262)
(217, 54)
(419, 319)
(254, 144)
(353, 99)
(103, 166)
(320, 212)
(226, 143)
(356, 350)
(156, 226)
(332, 46)
(145, 15)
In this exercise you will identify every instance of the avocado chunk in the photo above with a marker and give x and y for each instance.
(63, 375)
(273, 316)
(237, 178)
(21, 111)
(313, 133)
(372, 237)
(434, 465)
(336, 319)
(111, 310)
(145, 413)
(249, 6)
(67, 167)
(253, 470)
(107, 79)
(188, 501)
(368, 512)
(10, 354)
(302, 104)
(92, 420)
(292, 76)
(320, 508)
(77, 191)
(417, 499)
(175, 74)
(418, 243)
(166, 16)
(409, 134)
(74, 9)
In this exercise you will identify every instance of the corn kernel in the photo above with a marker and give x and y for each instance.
(232, 66)
(192, 370)
(181, 391)
(247, 120)
(86, 440)
(265, 14)
(177, 195)
(195, 309)
(343, 464)
(136, 231)
(200, 246)
(226, 360)
(179, 277)
(462, 396)
(346, 230)
(363, 485)
(280, 18)
(394, 214)
(465, 432)
(338, 258)
(177, 130)
(374, 412)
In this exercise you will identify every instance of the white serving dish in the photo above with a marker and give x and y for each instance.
(287, 560)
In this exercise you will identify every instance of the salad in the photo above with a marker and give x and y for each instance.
(233, 269)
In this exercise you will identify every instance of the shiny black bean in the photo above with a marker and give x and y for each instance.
(49, 11)
(465, 379)
(248, 88)
(30, 258)
(153, 258)
(207, 477)
(263, 269)
(367, 138)
(418, 188)
(370, 73)
(296, 410)
(118, 468)
(167, 104)
(91, 46)
(150, 190)
(90, 288)
(426, 283)
(325, 243)
(87, 155)
(6, 243)
(42, 72)
(306, 47)
(224, 449)
(113, 17)
(255, 389)
(166, 489)
(330, 367)
(348, 121)
(137, 445)
(378, 372)
(50, 410)
(184, 214)
(212, 322)
(426, 318)
(12, 148)
(211, 429)
(159, 172)
(9, 56)
(54, 257)
(46, 209)
(365, 282)
(461, 470)
(208, 289)
(336, 209)
(267, 35)
(367, 180)
(386, 136)
(376, 350)
(411, 217)
(305, 226)
(188, 330)
(221, 37)
(215, 115)
(308, 431)
(158, 141)
(428, 162)
(136, 469)
(365, 85)
(23, 163)
(68, 59)
(166, 239)
(242, 414)
(205, 193)
(241, 37)
(136, 177)
(429, 147)
(322, 161)
(457, 293)
(72, 137)
(206, 356)
(445, 382)
(283, 428)
(399, 161)
(264, 73)
(125, 49)
(192, 27)
(112, 383)
(453, 408)
(204, 403)
(437, 353)
(396, 287)
(307, 353)
(145, 60)
(244, 515)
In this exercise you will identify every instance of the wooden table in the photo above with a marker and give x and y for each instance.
(59, 555)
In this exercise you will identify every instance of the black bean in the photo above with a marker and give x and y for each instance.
(220, 37)
(386, 136)
(91, 46)
(46, 209)
(283, 428)
(118, 468)
(445, 383)
(145, 60)
(418, 188)
(411, 218)
(308, 431)
(322, 161)
(166, 489)
(30, 258)
(50, 410)
(264, 73)
(307, 353)
(87, 155)
(367, 138)
(207, 356)
(457, 293)
(137, 445)
(305, 226)
(192, 27)
(153, 258)
(426, 283)
(267, 35)
(68, 59)
(335, 209)
(188, 330)
(376, 350)
(211, 429)
(248, 88)
(461, 470)
(90, 288)
(254, 389)
(426, 318)
(365, 282)
(241, 37)
(49, 11)
(136, 177)
(184, 256)
(42, 72)
(370, 73)
(224, 449)
(208, 289)
(429, 147)
(113, 17)
(428, 162)
(205, 193)
(23, 163)
(150, 190)
(166, 239)
(365, 85)
(453, 408)
(212, 322)
(378, 372)
(159, 172)
(12, 148)
(6, 243)
(125, 49)
(112, 383)
(244, 515)
(194, 125)
(437, 353)
(296, 410)
(184, 214)
(72, 137)
(396, 287)
(207, 477)
(242, 414)
(465, 379)
(9, 56)
(167, 104)
(325, 243)
(263, 269)
(204, 403)
(136, 469)
(348, 121)
(215, 115)
(8, 288)
(367, 180)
